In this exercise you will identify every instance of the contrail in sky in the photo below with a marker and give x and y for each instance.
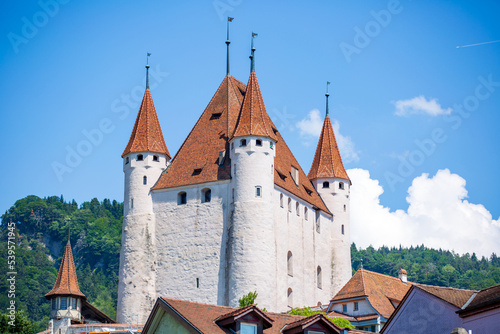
(466, 46)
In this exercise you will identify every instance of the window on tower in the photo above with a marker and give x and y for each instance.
(243, 142)
(206, 195)
(297, 209)
(289, 205)
(318, 278)
(258, 191)
(64, 303)
(290, 297)
(326, 184)
(156, 158)
(281, 200)
(289, 263)
(127, 160)
(181, 198)
(140, 157)
(145, 180)
(318, 225)
(258, 142)
(341, 185)
(345, 207)
(306, 213)
(342, 228)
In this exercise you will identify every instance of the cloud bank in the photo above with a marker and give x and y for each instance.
(438, 216)
(420, 105)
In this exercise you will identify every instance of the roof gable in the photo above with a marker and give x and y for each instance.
(146, 135)
(455, 297)
(66, 282)
(327, 161)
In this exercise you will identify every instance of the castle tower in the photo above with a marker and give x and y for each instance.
(252, 246)
(144, 159)
(65, 297)
(331, 181)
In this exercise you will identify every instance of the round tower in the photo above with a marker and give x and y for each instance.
(144, 159)
(251, 240)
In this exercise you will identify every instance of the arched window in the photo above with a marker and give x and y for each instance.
(341, 185)
(258, 142)
(290, 297)
(156, 158)
(306, 213)
(318, 278)
(289, 205)
(318, 223)
(243, 142)
(144, 180)
(281, 200)
(140, 157)
(297, 208)
(326, 184)
(258, 191)
(289, 263)
(181, 198)
(206, 195)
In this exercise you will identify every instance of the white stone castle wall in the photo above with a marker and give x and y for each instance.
(191, 244)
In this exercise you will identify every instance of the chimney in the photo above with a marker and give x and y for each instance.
(403, 275)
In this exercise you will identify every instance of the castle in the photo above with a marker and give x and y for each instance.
(232, 212)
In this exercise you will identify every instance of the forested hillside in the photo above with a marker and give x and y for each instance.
(95, 234)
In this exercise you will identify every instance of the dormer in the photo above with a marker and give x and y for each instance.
(246, 320)
(315, 324)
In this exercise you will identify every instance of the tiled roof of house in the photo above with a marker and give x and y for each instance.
(486, 298)
(327, 162)
(66, 282)
(455, 297)
(305, 322)
(209, 137)
(379, 289)
(146, 135)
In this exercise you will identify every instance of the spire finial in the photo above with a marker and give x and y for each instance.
(69, 228)
(229, 19)
(327, 95)
(147, 70)
(252, 59)
(361, 264)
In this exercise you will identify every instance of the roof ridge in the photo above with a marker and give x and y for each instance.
(444, 287)
(193, 302)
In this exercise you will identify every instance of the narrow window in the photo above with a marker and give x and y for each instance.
(289, 263)
(181, 198)
(243, 142)
(318, 277)
(197, 171)
(290, 297)
(215, 116)
(127, 160)
(131, 203)
(258, 191)
(145, 180)
(156, 158)
(233, 193)
(356, 306)
(73, 303)
(341, 185)
(197, 283)
(342, 228)
(318, 225)
(344, 308)
(140, 157)
(297, 208)
(306, 213)
(344, 207)
(281, 200)
(54, 304)
(206, 195)
(289, 205)
(258, 142)
(326, 184)
(64, 304)
(232, 145)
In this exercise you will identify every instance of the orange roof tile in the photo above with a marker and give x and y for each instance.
(379, 289)
(484, 300)
(66, 282)
(253, 118)
(455, 297)
(146, 135)
(327, 161)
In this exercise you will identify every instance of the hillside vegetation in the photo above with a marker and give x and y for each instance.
(41, 228)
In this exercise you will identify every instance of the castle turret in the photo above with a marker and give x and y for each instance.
(252, 247)
(331, 181)
(144, 159)
(65, 298)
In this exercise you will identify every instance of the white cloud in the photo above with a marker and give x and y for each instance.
(438, 216)
(420, 105)
(310, 127)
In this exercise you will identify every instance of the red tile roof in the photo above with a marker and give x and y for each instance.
(66, 282)
(209, 136)
(253, 119)
(146, 135)
(306, 322)
(455, 297)
(379, 289)
(327, 162)
(484, 300)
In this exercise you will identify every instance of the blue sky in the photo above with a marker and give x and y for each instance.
(410, 108)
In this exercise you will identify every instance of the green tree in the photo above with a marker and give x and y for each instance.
(307, 312)
(248, 299)
(21, 324)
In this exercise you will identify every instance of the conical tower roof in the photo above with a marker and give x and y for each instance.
(147, 135)
(66, 282)
(253, 119)
(327, 162)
